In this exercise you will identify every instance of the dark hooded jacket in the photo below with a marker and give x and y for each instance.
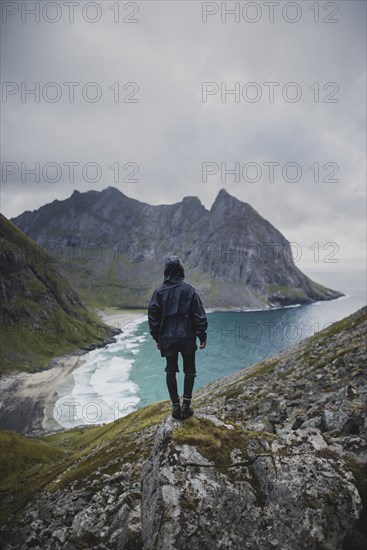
(175, 313)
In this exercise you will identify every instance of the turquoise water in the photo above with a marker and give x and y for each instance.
(130, 374)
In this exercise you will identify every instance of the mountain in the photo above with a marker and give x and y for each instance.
(274, 457)
(42, 316)
(114, 247)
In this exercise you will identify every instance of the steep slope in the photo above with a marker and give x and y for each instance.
(42, 316)
(275, 457)
(114, 248)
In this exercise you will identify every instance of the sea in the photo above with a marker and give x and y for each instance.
(129, 373)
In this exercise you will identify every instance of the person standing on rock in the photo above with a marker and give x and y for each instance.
(176, 318)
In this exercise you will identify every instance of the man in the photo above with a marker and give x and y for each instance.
(176, 318)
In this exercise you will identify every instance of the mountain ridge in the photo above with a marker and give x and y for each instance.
(41, 315)
(234, 256)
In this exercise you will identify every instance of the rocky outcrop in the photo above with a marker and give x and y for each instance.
(114, 248)
(284, 493)
(274, 458)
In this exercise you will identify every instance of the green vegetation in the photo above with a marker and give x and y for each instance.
(19, 456)
(232, 393)
(29, 466)
(41, 314)
(275, 291)
(120, 284)
(216, 443)
(25, 348)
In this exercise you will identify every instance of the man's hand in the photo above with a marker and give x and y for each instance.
(202, 345)
(158, 346)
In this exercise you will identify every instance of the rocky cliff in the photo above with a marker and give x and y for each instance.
(41, 315)
(275, 458)
(114, 248)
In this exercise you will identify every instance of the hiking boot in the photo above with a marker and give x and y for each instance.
(176, 411)
(186, 411)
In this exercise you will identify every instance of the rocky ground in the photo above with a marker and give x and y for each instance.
(275, 458)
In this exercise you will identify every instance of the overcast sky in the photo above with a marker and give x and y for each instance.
(166, 128)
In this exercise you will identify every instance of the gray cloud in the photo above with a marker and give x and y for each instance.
(171, 132)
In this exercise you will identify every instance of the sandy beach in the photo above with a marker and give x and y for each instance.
(27, 399)
(121, 318)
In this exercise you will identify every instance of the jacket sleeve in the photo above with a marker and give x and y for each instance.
(154, 316)
(200, 320)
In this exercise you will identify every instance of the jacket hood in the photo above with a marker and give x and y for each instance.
(173, 270)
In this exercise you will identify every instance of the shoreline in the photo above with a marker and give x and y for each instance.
(27, 400)
(121, 318)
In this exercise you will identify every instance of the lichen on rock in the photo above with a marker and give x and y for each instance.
(286, 494)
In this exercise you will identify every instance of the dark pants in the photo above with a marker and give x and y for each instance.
(190, 373)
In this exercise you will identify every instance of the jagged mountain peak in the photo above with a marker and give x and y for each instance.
(112, 190)
(227, 200)
(192, 199)
(223, 194)
(108, 192)
(114, 193)
(214, 244)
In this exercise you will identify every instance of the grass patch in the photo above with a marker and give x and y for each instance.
(276, 291)
(19, 455)
(216, 443)
(30, 466)
(233, 393)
